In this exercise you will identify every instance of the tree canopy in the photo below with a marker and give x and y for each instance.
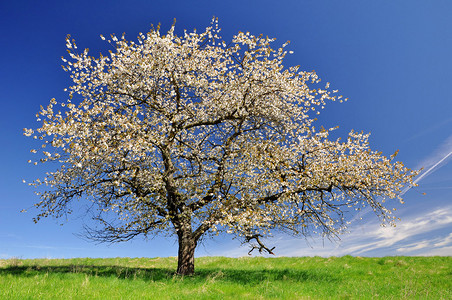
(192, 136)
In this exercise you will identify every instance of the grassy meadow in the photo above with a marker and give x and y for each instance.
(229, 278)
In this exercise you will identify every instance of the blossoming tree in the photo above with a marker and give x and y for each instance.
(191, 136)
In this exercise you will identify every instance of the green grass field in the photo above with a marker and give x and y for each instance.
(229, 278)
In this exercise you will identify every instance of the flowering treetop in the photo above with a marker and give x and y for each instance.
(192, 135)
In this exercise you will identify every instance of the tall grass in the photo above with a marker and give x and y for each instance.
(229, 278)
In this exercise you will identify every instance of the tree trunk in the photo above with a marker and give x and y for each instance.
(186, 255)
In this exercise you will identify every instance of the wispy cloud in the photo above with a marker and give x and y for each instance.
(434, 245)
(414, 246)
(434, 161)
(446, 241)
(443, 251)
(385, 237)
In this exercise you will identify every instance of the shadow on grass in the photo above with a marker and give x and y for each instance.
(239, 276)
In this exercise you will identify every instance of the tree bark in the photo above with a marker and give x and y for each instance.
(186, 255)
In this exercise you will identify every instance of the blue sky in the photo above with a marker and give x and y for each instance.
(390, 58)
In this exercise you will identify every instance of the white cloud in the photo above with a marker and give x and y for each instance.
(446, 241)
(434, 161)
(442, 150)
(370, 238)
(443, 251)
(434, 246)
(414, 246)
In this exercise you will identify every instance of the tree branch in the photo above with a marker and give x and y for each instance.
(260, 245)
